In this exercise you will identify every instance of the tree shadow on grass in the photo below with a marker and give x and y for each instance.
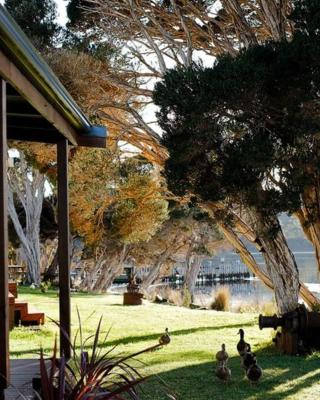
(283, 378)
(150, 337)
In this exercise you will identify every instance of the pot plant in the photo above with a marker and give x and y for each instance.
(132, 297)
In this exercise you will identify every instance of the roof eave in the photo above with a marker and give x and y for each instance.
(18, 47)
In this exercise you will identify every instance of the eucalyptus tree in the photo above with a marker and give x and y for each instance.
(172, 33)
(114, 203)
(26, 187)
(226, 147)
(37, 18)
(159, 34)
(187, 236)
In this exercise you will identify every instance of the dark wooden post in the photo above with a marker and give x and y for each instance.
(4, 307)
(64, 248)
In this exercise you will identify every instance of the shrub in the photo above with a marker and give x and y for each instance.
(268, 308)
(175, 297)
(248, 308)
(221, 300)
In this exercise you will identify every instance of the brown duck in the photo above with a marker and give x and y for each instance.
(223, 372)
(242, 345)
(254, 373)
(222, 355)
(248, 358)
(165, 338)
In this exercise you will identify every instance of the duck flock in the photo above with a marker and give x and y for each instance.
(248, 361)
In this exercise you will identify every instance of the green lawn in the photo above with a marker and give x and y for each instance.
(187, 364)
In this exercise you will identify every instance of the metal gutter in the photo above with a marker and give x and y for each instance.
(18, 47)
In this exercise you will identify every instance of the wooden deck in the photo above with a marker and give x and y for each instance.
(22, 372)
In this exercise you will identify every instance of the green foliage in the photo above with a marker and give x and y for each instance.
(37, 18)
(75, 10)
(83, 34)
(306, 16)
(230, 127)
(316, 308)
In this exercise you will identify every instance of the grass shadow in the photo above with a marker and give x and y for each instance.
(283, 378)
(144, 338)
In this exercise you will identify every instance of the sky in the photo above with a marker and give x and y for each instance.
(62, 11)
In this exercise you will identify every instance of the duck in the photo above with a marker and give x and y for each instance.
(222, 355)
(242, 345)
(254, 373)
(223, 372)
(248, 358)
(165, 338)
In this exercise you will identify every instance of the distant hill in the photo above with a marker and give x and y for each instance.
(294, 234)
(291, 227)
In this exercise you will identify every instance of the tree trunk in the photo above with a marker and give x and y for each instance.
(51, 272)
(309, 218)
(247, 258)
(77, 246)
(193, 265)
(280, 262)
(30, 193)
(155, 270)
(111, 270)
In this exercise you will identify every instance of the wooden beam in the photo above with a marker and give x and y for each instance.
(89, 141)
(16, 78)
(64, 248)
(4, 306)
(31, 135)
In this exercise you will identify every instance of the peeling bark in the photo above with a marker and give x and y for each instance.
(280, 262)
(309, 218)
(247, 258)
(280, 254)
(193, 265)
(28, 186)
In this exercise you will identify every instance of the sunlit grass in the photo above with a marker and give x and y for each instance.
(187, 364)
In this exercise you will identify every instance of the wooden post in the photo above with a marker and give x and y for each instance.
(64, 248)
(4, 306)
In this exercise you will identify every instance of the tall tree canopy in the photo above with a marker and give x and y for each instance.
(245, 133)
(37, 18)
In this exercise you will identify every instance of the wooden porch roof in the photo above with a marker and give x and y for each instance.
(39, 108)
(34, 106)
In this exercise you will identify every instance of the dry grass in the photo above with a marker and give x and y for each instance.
(221, 300)
(268, 308)
(173, 296)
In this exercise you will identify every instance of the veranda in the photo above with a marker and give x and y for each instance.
(34, 106)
